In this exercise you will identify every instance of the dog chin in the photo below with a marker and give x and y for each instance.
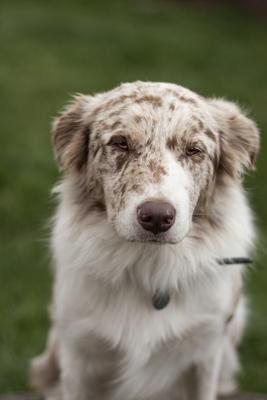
(146, 237)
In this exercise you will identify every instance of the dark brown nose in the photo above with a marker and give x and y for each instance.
(156, 216)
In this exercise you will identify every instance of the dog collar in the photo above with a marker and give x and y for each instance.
(160, 300)
(235, 260)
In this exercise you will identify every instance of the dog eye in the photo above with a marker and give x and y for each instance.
(191, 151)
(120, 142)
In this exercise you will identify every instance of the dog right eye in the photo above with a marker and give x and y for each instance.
(119, 142)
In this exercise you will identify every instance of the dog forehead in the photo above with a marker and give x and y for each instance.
(143, 94)
(148, 107)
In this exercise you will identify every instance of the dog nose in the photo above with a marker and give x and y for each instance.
(156, 216)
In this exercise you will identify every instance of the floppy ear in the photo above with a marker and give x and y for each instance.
(71, 135)
(239, 137)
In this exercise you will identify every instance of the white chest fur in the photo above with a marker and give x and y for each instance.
(150, 340)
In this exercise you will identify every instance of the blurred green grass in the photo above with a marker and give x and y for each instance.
(49, 50)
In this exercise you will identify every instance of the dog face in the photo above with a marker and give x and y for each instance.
(150, 154)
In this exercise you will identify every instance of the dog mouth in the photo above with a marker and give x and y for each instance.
(139, 235)
(157, 239)
(170, 236)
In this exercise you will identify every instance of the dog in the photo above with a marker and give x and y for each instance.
(150, 203)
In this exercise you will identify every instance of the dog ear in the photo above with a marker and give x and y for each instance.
(239, 137)
(71, 135)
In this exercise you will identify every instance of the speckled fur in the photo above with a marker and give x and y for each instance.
(109, 342)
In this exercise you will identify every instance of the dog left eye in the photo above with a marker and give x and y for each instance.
(191, 151)
(120, 142)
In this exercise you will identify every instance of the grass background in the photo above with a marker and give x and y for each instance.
(49, 50)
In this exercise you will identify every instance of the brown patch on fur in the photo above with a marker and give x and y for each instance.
(65, 128)
(211, 135)
(243, 149)
(116, 124)
(149, 142)
(154, 100)
(188, 100)
(193, 160)
(227, 162)
(116, 113)
(97, 205)
(157, 170)
(173, 93)
(121, 160)
(97, 133)
(119, 100)
(71, 137)
(152, 165)
(172, 143)
(239, 138)
(78, 151)
(137, 119)
(104, 127)
(135, 188)
(96, 150)
(204, 212)
(123, 189)
(172, 107)
(111, 103)
(124, 168)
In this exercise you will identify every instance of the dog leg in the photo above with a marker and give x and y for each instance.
(89, 367)
(230, 362)
(75, 376)
(229, 370)
(44, 371)
(207, 376)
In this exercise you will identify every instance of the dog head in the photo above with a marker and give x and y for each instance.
(149, 155)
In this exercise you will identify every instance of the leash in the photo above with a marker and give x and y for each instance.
(160, 300)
